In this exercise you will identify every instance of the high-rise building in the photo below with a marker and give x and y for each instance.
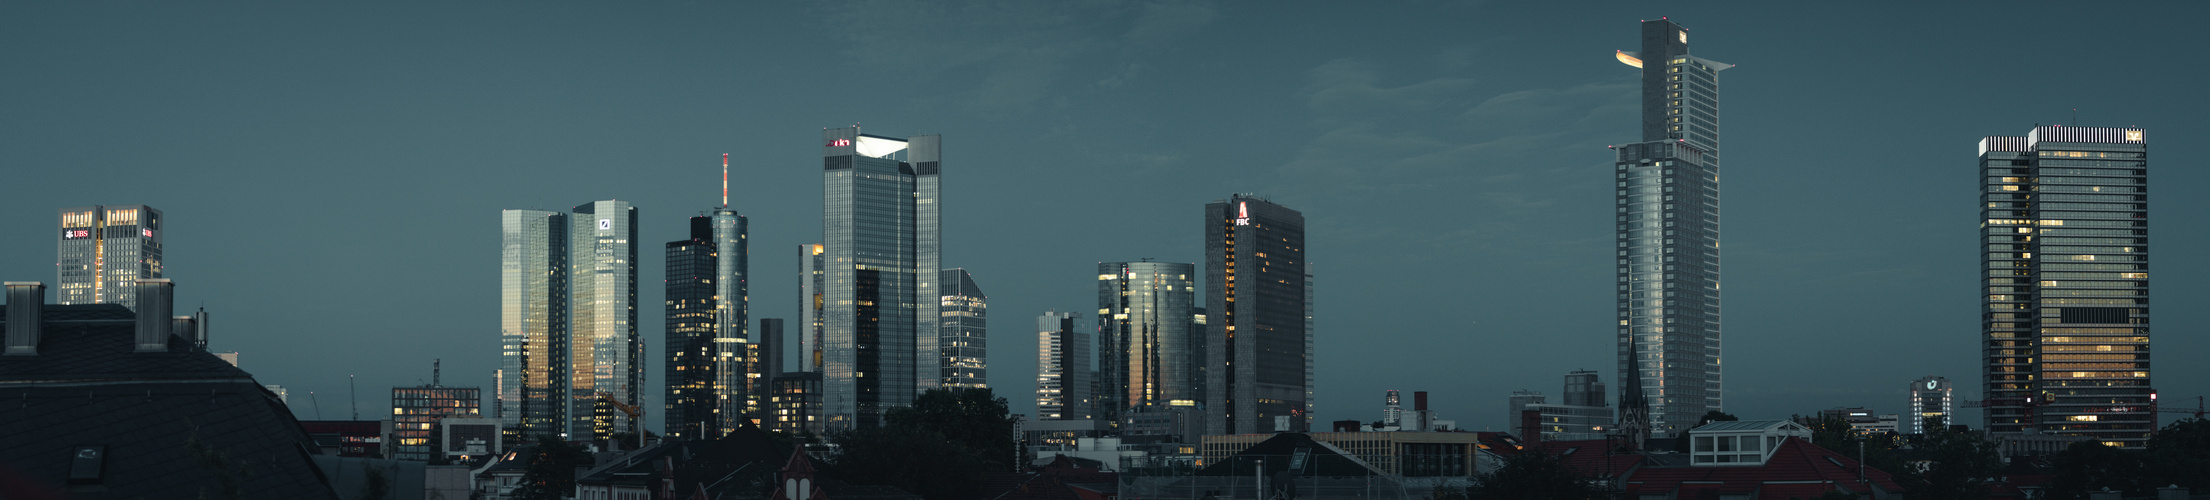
(2066, 306)
(810, 300)
(1258, 291)
(963, 334)
(712, 384)
(1149, 345)
(1517, 402)
(1392, 410)
(606, 359)
(1668, 234)
(415, 412)
(533, 323)
(1582, 388)
(1062, 368)
(1930, 401)
(105, 250)
(881, 249)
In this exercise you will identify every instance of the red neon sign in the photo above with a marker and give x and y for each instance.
(840, 143)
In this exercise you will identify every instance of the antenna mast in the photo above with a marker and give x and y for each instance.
(725, 180)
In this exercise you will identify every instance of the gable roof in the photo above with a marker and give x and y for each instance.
(1278, 453)
(1797, 468)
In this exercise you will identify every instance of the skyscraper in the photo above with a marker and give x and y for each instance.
(2066, 306)
(533, 322)
(963, 334)
(1668, 234)
(1258, 290)
(1930, 400)
(105, 250)
(1062, 368)
(810, 337)
(881, 251)
(606, 359)
(711, 360)
(1149, 345)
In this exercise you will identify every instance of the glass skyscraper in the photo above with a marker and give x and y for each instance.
(881, 251)
(712, 363)
(606, 359)
(809, 308)
(2065, 311)
(1258, 288)
(963, 335)
(1063, 370)
(1150, 346)
(533, 323)
(1668, 235)
(105, 250)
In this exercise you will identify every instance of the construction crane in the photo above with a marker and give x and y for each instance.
(636, 415)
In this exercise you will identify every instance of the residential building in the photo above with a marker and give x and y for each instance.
(881, 249)
(1668, 235)
(2066, 309)
(1931, 401)
(712, 365)
(1258, 289)
(1062, 368)
(605, 355)
(416, 412)
(105, 250)
(533, 323)
(963, 333)
(1149, 345)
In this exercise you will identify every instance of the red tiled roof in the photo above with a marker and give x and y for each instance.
(1588, 457)
(1797, 469)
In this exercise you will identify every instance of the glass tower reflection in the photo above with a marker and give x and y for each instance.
(1258, 289)
(710, 381)
(1149, 343)
(881, 253)
(605, 355)
(533, 322)
(963, 335)
(105, 250)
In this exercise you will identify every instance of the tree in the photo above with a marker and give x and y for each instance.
(1958, 464)
(974, 419)
(1716, 416)
(2180, 454)
(2090, 466)
(941, 447)
(552, 469)
(1532, 474)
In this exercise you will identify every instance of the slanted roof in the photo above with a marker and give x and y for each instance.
(1744, 425)
(1279, 452)
(1797, 469)
(172, 424)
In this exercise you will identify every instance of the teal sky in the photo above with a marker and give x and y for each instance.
(332, 172)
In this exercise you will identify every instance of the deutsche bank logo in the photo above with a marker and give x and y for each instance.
(605, 224)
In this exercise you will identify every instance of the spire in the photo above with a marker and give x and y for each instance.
(725, 180)
(1634, 409)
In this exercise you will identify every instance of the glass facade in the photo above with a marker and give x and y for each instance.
(1258, 292)
(606, 359)
(1149, 344)
(711, 365)
(533, 323)
(2065, 312)
(880, 257)
(104, 250)
(1930, 401)
(415, 412)
(1668, 238)
(963, 335)
(809, 307)
(1062, 368)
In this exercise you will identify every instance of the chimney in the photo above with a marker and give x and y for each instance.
(182, 326)
(1419, 401)
(26, 307)
(155, 300)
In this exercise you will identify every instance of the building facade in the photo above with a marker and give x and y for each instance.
(2065, 311)
(1668, 234)
(416, 411)
(963, 335)
(1062, 368)
(1583, 388)
(881, 249)
(809, 307)
(1258, 292)
(605, 355)
(104, 251)
(1931, 399)
(711, 364)
(1150, 350)
(533, 323)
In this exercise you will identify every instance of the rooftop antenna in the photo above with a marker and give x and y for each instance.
(2075, 123)
(317, 403)
(725, 180)
(436, 369)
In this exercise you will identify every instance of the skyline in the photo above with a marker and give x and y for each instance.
(1413, 155)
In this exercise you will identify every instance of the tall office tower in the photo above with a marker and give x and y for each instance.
(105, 250)
(881, 249)
(711, 361)
(2066, 310)
(963, 334)
(1149, 345)
(1582, 388)
(1258, 289)
(809, 307)
(1063, 370)
(606, 359)
(533, 323)
(1668, 234)
(1392, 410)
(1930, 400)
